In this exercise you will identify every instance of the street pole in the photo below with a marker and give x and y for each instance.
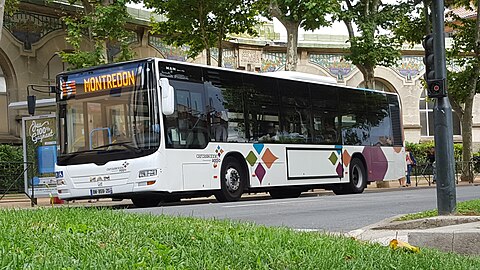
(442, 117)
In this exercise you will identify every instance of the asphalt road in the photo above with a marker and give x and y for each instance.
(324, 213)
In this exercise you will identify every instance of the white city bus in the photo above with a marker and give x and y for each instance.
(154, 130)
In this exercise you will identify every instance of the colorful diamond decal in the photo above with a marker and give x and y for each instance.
(339, 149)
(333, 158)
(346, 158)
(269, 158)
(260, 172)
(258, 147)
(251, 158)
(339, 170)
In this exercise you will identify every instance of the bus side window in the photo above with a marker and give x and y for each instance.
(263, 109)
(217, 114)
(225, 105)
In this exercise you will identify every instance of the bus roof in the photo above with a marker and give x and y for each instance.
(287, 75)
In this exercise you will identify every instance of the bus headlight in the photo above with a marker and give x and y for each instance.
(147, 173)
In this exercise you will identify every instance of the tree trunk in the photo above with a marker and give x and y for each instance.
(209, 56)
(292, 35)
(292, 44)
(467, 173)
(2, 11)
(220, 47)
(368, 76)
(467, 170)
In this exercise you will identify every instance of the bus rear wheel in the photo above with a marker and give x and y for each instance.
(233, 179)
(358, 179)
(142, 202)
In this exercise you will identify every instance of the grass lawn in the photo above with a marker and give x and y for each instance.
(89, 238)
(467, 208)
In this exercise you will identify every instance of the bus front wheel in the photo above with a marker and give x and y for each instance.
(233, 179)
(358, 179)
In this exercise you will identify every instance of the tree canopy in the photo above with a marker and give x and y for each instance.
(374, 43)
(463, 77)
(103, 24)
(308, 14)
(202, 24)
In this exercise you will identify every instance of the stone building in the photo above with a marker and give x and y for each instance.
(33, 36)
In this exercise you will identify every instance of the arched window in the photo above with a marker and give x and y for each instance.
(426, 117)
(54, 66)
(380, 85)
(3, 84)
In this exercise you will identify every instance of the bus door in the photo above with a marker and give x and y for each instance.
(187, 130)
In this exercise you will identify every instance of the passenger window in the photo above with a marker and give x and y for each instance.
(262, 107)
(295, 124)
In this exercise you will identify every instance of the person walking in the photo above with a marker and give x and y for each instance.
(411, 162)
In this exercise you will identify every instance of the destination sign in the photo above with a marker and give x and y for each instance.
(109, 81)
(116, 78)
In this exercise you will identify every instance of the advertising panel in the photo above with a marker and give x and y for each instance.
(40, 154)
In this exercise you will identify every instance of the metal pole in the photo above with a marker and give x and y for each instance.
(442, 117)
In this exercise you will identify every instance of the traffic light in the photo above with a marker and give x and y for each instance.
(435, 87)
(429, 59)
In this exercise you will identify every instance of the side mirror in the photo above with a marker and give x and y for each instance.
(168, 97)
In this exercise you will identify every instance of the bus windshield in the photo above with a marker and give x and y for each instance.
(103, 120)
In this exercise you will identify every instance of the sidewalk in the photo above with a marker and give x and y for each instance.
(460, 234)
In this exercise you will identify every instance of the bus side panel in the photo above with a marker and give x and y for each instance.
(396, 162)
(383, 163)
(305, 163)
(278, 165)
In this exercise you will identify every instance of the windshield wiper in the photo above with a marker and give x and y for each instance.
(124, 144)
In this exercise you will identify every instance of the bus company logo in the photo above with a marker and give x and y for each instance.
(218, 151)
(261, 160)
(120, 169)
(68, 89)
(125, 164)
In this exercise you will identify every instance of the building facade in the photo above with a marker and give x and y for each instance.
(32, 38)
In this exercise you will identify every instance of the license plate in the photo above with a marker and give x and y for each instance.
(101, 191)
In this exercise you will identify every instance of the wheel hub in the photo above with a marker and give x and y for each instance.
(232, 179)
(357, 177)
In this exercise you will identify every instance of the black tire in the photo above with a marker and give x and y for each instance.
(358, 179)
(142, 202)
(233, 181)
(285, 193)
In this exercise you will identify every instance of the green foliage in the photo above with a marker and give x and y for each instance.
(309, 15)
(11, 166)
(103, 26)
(370, 48)
(80, 238)
(420, 150)
(467, 208)
(202, 24)
(464, 45)
(10, 153)
(11, 6)
(410, 28)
